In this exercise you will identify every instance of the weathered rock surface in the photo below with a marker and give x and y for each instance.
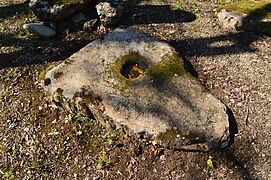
(110, 12)
(230, 20)
(132, 81)
(89, 26)
(40, 29)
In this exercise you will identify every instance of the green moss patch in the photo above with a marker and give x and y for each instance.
(43, 73)
(173, 65)
(261, 9)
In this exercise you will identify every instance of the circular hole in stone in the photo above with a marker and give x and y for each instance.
(132, 70)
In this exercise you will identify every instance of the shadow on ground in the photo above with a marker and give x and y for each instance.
(18, 51)
(149, 14)
(14, 9)
(37, 51)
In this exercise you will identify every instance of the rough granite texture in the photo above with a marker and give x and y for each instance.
(165, 103)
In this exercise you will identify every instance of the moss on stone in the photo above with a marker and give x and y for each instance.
(43, 73)
(50, 67)
(169, 67)
(259, 8)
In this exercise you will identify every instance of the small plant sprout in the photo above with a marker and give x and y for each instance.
(195, 10)
(9, 175)
(68, 118)
(210, 162)
(103, 160)
(177, 7)
(154, 143)
(109, 137)
(53, 132)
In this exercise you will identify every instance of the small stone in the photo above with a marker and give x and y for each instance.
(109, 13)
(229, 20)
(56, 12)
(40, 29)
(238, 16)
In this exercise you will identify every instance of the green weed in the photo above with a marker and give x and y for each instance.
(53, 132)
(195, 10)
(103, 160)
(177, 7)
(9, 175)
(210, 162)
(109, 137)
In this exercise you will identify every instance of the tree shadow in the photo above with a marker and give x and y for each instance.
(18, 51)
(236, 43)
(164, 90)
(149, 14)
(14, 9)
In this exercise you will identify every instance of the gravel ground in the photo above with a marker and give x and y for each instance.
(39, 140)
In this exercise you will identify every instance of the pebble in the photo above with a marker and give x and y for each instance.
(40, 29)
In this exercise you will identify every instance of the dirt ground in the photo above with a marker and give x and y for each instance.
(41, 141)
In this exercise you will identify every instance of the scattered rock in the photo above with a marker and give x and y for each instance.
(109, 12)
(233, 21)
(59, 10)
(246, 15)
(89, 26)
(137, 83)
(40, 29)
(230, 20)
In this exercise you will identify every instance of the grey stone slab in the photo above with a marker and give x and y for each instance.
(40, 29)
(135, 82)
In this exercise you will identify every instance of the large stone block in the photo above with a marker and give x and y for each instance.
(135, 82)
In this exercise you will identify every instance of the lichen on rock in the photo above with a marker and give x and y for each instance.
(172, 66)
(133, 80)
